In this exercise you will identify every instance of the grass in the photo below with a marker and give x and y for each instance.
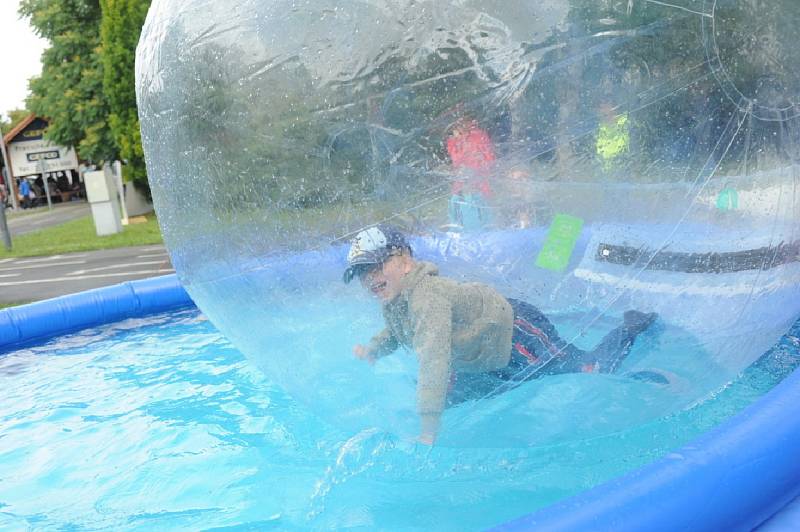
(10, 304)
(80, 235)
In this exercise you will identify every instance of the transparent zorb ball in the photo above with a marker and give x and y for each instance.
(587, 157)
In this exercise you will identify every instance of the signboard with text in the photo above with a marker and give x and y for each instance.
(37, 156)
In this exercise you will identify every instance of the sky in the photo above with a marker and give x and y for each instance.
(19, 59)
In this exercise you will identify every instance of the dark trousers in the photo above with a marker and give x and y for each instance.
(538, 350)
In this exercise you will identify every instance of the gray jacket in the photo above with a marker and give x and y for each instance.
(450, 325)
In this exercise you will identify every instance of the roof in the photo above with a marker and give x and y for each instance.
(8, 137)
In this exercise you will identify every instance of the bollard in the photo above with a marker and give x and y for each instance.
(4, 228)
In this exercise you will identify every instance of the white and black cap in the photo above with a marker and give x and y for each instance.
(371, 247)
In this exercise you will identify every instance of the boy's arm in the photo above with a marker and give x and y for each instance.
(382, 344)
(432, 316)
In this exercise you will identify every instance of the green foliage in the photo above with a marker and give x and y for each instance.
(69, 91)
(685, 80)
(86, 89)
(279, 137)
(15, 116)
(120, 28)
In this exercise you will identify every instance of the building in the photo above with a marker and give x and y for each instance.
(33, 157)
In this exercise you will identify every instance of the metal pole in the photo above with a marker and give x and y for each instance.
(4, 227)
(46, 184)
(117, 167)
(7, 163)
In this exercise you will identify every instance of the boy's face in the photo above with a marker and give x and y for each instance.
(384, 281)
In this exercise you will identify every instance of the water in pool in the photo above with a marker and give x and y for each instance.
(159, 423)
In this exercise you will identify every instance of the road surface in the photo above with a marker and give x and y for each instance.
(36, 278)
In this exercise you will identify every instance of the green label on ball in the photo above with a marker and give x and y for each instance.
(560, 242)
(728, 200)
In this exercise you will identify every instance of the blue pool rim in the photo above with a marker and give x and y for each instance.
(735, 476)
(35, 322)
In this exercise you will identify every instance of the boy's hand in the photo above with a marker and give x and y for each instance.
(361, 352)
(426, 439)
(429, 428)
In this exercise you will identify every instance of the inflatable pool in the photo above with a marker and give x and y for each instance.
(672, 492)
(588, 158)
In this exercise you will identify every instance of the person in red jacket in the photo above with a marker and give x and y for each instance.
(471, 154)
(472, 158)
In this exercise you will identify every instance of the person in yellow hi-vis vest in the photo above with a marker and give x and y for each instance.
(613, 138)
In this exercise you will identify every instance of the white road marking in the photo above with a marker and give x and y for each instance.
(5, 260)
(51, 258)
(150, 256)
(95, 276)
(115, 266)
(42, 259)
(34, 266)
(10, 274)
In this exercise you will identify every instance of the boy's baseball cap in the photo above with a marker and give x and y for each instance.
(373, 246)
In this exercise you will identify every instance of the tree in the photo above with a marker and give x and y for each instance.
(69, 91)
(15, 116)
(120, 27)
